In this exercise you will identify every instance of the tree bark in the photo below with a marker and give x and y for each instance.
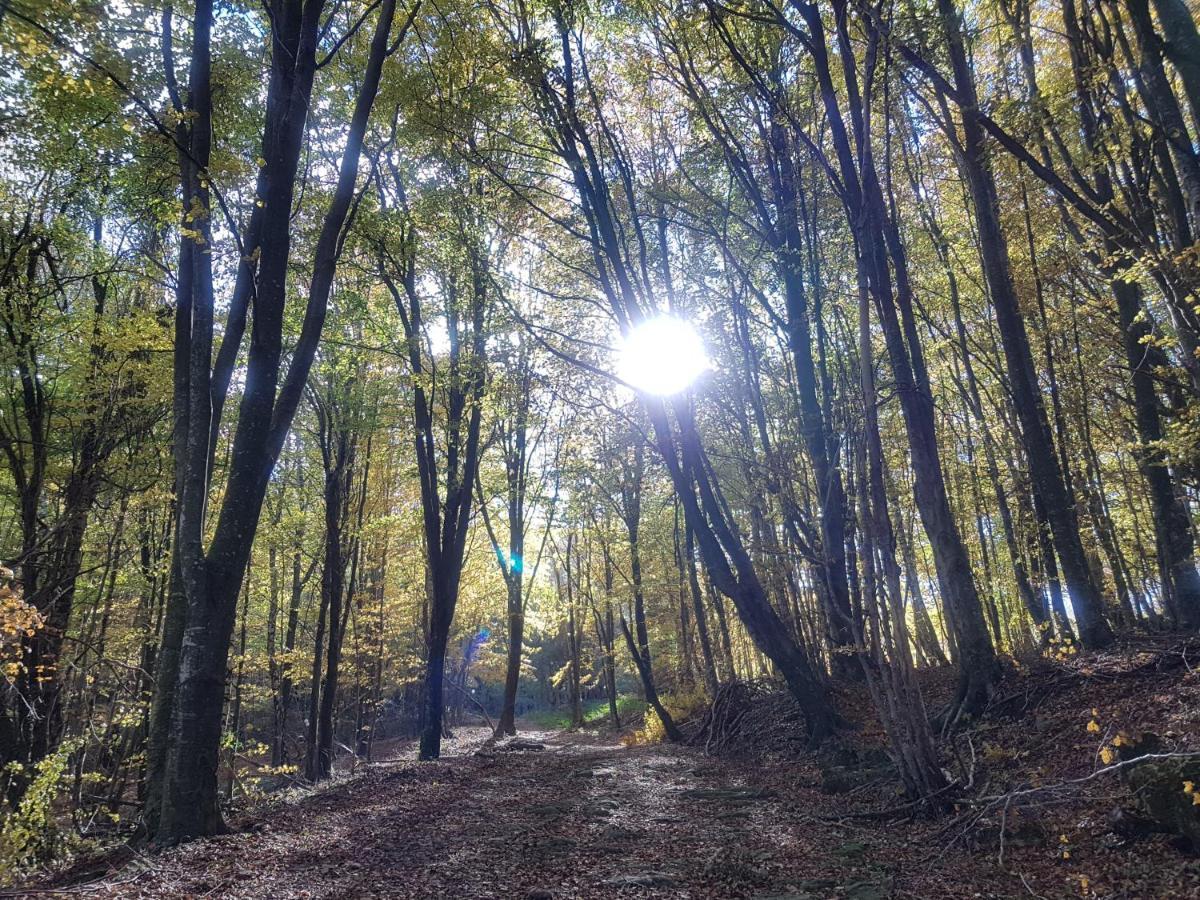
(1045, 470)
(210, 578)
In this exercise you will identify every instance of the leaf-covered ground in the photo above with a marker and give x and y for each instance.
(587, 817)
(583, 817)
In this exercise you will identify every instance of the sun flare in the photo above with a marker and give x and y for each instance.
(662, 356)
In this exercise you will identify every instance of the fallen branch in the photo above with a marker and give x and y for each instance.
(981, 806)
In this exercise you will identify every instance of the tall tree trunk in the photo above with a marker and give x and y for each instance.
(283, 703)
(338, 446)
(314, 688)
(210, 578)
(573, 640)
(606, 634)
(1044, 467)
(701, 617)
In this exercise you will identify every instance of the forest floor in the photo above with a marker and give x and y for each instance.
(584, 817)
(587, 816)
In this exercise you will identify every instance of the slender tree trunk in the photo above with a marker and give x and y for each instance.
(606, 633)
(314, 689)
(338, 450)
(1044, 465)
(701, 617)
(283, 702)
(674, 735)
(573, 641)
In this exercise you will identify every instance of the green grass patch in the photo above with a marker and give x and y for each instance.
(595, 712)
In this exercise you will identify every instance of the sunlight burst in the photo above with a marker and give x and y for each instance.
(662, 356)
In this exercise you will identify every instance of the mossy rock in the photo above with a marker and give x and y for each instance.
(1160, 788)
(837, 780)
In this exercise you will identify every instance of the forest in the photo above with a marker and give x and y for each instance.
(600, 448)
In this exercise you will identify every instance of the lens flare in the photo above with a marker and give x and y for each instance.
(662, 356)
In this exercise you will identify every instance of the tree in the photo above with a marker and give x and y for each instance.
(210, 572)
(447, 478)
(519, 433)
(627, 293)
(1035, 430)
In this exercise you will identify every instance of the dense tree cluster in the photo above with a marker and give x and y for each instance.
(312, 432)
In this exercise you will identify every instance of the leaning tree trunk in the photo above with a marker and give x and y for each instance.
(674, 735)
(700, 615)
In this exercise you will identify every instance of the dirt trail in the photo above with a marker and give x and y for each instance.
(582, 818)
(587, 818)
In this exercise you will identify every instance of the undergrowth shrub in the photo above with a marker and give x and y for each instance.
(31, 835)
(683, 705)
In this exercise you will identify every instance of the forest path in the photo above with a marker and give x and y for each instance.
(583, 818)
